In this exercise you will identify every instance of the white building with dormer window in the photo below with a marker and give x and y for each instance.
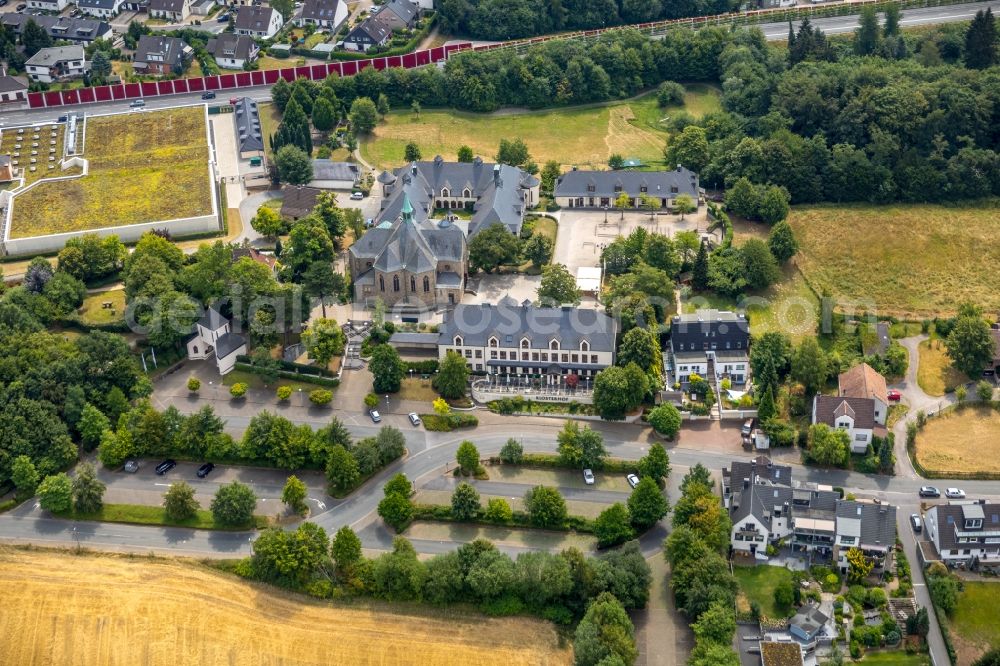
(213, 337)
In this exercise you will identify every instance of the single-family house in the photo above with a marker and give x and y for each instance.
(965, 533)
(248, 128)
(258, 21)
(174, 11)
(331, 175)
(73, 30)
(297, 201)
(809, 623)
(372, 32)
(521, 340)
(100, 8)
(854, 415)
(713, 344)
(255, 255)
(601, 189)
(157, 54)
(324, 14)
(398, 14)
(865, 382)
(213, 336)
(233, 51)
(12, 90)
(867, 525)
(57, 63)
(49, 5)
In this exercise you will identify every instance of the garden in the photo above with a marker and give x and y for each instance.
(143, 167)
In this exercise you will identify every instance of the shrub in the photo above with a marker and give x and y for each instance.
(238, 390)
(284, 393)
(512, 452)
(320, 397)
(194, 384)
(371, 401)
(498, 511)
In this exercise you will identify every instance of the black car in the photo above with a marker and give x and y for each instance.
(165, 466)
(21, 7)
(208, 95)
(929, 491)
(204, 470)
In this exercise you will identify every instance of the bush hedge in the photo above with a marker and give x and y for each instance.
(453, 421)
(552, 461)
(442, 512)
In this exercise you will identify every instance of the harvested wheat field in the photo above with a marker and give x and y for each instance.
(61, 608)
(964, 440)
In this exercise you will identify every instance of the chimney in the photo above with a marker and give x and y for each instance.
(679, 167)
(413, 168)
(496, 175)
(746, 483)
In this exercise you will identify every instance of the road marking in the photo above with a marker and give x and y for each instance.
(165, 485)
(318, 503)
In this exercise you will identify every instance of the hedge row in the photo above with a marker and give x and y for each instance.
(552, 461)
(425, 367)
(438, 423)
(290, 366)
(294, 376)
(442, 513)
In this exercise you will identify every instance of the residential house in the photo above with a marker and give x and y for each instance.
(372, 32)
(398, 14)
(601, 189)
(248, 128)
(780, 653)
(855, 415)
(527, 341)
(867, 525)
(6, 169)
(100, 8)
(73, 30)
(410, 264)
(494, 193)
(809, 623)
(156, 54)
(57, 63)
(258, 21)
(297, 201)
(966, 533)
(713, 344)
(213, 336)
(48, 5)
(174, 11)
(202, 7)
(324, 14)
(330, 175)
(12, 90)
(233, 51)
(252, 253)
(863, 381)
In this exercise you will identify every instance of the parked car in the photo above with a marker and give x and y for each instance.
(748, 427)
(376, 417)
(205, 469)
(929, 491)
(3, 3)
(894, 395)
(633, 480)
(588, 477)
(414, 419)
(915, 520)
(954, 493)
(21, 7)
(224, 18)
(165, 466)
(357, 196)
(131, 466)
(62, 119)
(138, 103)
(208, 95)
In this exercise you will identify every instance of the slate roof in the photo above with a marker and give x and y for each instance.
(877, 522)
(408, 245)
(809, 619)
(230, 46)
(863, 381)
(171, 48)
(658, 184)
(700, 330)
(228, 343)
(761, 467)
(11, 84)
(760, 500)
(97, 4)
(256, 19)
(404, 338)
(320, 10)
(50, 57)
(950, 520)
(828, 407)
(212, 319)
(404, 9)
(71, 29)
(248, 129)
(330, 170)
(298, 201)
(167, 5)
(569, 325)
(375, 27)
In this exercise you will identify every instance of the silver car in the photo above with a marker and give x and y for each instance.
(588, 477)
(132, 466)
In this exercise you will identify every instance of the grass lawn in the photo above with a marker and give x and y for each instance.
(758, 584)
(976, 622)
(544, 226)
(417, 389)
(962, 440)
(269, 62)
(144, 167)
(255, 381)
(897, 658)
(904, 260)
(582, 136)
(270, 118)
(156, 515)
(935, 374)
(94, 312)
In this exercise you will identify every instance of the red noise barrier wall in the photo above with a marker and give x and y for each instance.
(235, 80)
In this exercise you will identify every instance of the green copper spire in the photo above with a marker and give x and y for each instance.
(407, 208)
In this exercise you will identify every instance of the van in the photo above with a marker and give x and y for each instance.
(748, 427)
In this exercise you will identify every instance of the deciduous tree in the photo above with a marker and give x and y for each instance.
(179, 502)
(465, 502)
(386, 368)
(453, 376)
(88, 490)
(293, 495)
(613, 525)
(646, 504)
(233, 504)
(545, 506)
(55, 493)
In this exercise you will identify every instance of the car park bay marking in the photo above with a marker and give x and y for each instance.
(318, 503)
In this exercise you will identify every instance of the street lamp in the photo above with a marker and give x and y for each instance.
(387, 401)
(605, 215)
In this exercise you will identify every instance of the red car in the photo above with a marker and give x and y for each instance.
(894, 395)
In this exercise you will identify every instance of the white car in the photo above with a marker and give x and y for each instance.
(954, 493)
(357, 196)
(588, 477)
(633, 480)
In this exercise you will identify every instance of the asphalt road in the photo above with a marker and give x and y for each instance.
(911, 18)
